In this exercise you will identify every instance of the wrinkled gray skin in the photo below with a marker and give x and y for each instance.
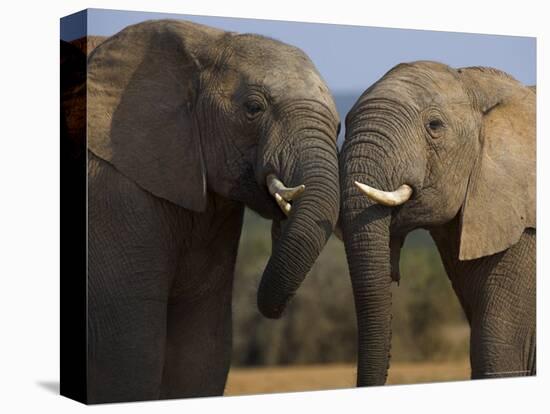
(464, 140)
(184, 123)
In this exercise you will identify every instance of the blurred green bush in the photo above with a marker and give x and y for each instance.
(319, 323)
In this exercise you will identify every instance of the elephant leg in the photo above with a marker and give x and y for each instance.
(126, 354)
(126, 332)
(503, 337)
(130, 271)
(498, 352)
(198, 346)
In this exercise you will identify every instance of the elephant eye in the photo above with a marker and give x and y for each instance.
(435, 124)
(435, 127)
(253, 108)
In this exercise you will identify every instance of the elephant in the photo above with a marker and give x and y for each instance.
(451, 151)
(187, 125)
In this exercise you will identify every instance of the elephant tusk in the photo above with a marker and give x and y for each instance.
(386, 198)
(288, 193)
(285, 206)
(283, 194)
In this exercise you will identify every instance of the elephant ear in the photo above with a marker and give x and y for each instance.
(500, 199)
(142, 88)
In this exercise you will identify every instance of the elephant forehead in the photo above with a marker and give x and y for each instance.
(297, 84)
(420, 86)
(285, 71)
(431, 76)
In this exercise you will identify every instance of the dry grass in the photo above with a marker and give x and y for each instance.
(243, 381)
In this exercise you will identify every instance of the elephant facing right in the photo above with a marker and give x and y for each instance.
(452, 151)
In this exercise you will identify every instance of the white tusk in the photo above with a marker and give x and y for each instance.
(386, 198)
(283, 194)
(285, 206)
(288, 193)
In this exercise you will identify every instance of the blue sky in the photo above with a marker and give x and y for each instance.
(351, 58)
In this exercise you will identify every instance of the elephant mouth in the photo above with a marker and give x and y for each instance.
(247, 191)
(405, 203)
(272, 200)
(266, 206)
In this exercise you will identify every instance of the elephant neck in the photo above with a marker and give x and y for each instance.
(205, 228)
(447, 240)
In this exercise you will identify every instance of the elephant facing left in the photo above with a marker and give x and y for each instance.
(187, 125)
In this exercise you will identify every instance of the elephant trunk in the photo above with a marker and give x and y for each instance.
(368, 254)
(310, 223)
(366, 234)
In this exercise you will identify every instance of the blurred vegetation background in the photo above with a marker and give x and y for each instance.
(319, 324)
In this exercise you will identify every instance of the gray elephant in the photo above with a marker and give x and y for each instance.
(187, 124)
(453, 152)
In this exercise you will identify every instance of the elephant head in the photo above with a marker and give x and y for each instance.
(424, 145)
(185, 109)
